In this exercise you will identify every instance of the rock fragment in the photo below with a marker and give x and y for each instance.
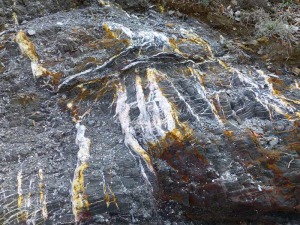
(31, 32)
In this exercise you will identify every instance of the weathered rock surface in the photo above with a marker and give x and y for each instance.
(26, 10)
(151, 123)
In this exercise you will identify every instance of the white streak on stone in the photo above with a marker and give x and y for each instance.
(116, 26)
(278, 104)
(19, 179)
(37, 69)
(183, 99)
(83, 143)
(141, 38)
(259, 187)
(122, 110)
(160, 102)
(151, 38)
(246, 80)
(144, 117)
(202, 92)
(145, 175)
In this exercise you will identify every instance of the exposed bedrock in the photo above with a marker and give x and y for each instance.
(114, 118)
(19, 11)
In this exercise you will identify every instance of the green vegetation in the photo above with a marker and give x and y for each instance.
(274, 27)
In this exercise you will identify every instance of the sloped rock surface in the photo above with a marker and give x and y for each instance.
(150, 123)
(28, 9)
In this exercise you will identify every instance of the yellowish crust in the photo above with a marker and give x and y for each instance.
(26, 46)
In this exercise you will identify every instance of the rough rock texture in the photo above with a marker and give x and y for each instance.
(151, 123)
(133, 5)
(28, 9)
(225, 15)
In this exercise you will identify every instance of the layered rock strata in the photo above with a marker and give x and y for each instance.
(149, 123)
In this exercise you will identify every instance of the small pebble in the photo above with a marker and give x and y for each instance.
(31, 32)
(179, 14)
(274, 142)
(237, 13)
(171, 12)
(234, 2)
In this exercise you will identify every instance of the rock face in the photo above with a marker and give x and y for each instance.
(133, 5)
(113, 118)
(25, 10)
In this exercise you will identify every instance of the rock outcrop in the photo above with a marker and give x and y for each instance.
(149, 121)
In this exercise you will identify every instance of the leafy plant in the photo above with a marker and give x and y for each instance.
(268, 27)
(287, 2)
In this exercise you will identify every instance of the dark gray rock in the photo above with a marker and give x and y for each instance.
(204, 125)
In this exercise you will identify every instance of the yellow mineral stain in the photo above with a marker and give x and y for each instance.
(14, 14)
(173, 43)
(42, 195)
(15, 18)
(70, 105)
(111, 38)
(160, 4)
(73, 110)
(263, 40)
(178, 134)
(229, 134)
(20, 201)
(22, 214)
(109, 32)
(114, 198)
(122, 110)
(20, 198)
(79, 198)
(107, 86)
(28, 49)
(211, 101)
(168, 109)
(199, 76)
(277, 87)
(103, 3)
(197, 40)
(140, 151)
(26, 46)
(217, 109)
(223, 64)
(192, 38)
(245, 47)
(109, 197)
(39, 71)
(106, 196)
